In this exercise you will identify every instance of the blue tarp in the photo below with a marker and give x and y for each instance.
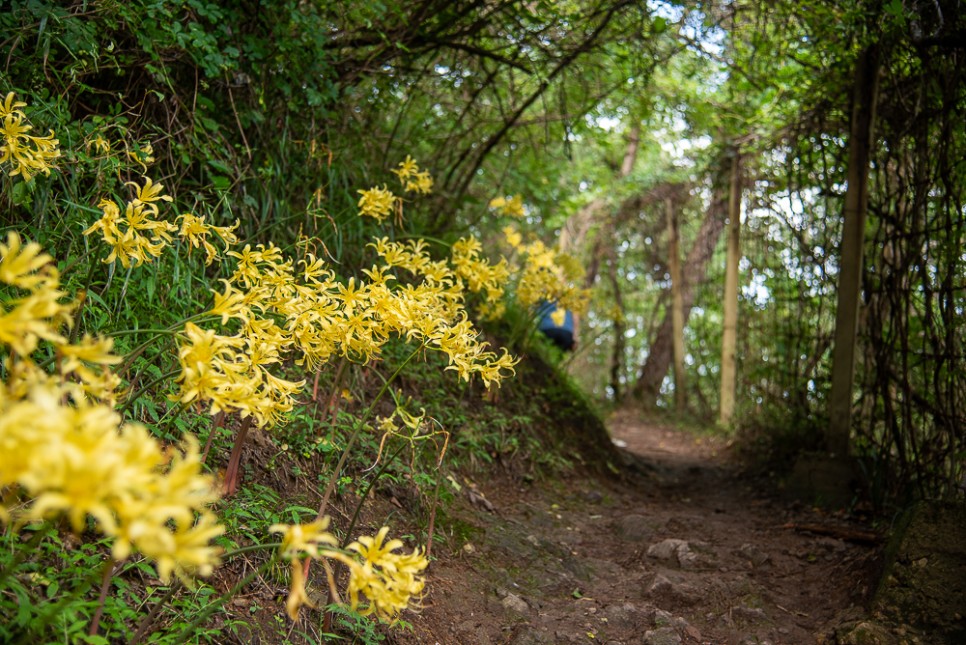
(547, 322)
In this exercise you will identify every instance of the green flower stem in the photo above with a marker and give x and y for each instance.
(251, 548)
(145, 625)
(109, 568)
(432, 513)
(217, 604)
(80, 309)
(360, 424)
(120, 298)
(127, 404)
(365, 493)
(148, 621)
(172, 330)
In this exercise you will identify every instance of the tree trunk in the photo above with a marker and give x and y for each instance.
(677, 305)
(729, 336)
(617, 356)
(695, 266)
(853, 236)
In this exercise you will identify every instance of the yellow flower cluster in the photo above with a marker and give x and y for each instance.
(412, 178)
(444, 325)
(548, 276)
(512, 207)
(302, 310)
(27, 154)
(283, 308)
(64, 447)
(233, 372)
(476, 271)
(380, 203)
(139, 235)
(195, 232)
(388, 581)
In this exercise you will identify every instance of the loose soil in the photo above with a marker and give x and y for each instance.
(682, 548)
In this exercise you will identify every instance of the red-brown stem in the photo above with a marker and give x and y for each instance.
(219, 419)
(233, 471)
(109, 568)
(432, 516)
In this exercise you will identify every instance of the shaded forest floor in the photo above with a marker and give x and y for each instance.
(681, 548)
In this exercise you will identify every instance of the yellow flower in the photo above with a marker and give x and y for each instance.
(78, 460)
(513, 237)
(230, 304)
(388, 580)
(297, 595)
(512, 207)
(123, 234)
(406, 169)
(37, 316)
(195, 231)
(89, 350)
(377, 203)
(100, 144)
(24, 266)
(304, 538)
(422, 182)
(142, 156)
(28, 154)
(191, 552)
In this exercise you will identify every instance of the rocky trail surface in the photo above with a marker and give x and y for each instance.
(685, 550)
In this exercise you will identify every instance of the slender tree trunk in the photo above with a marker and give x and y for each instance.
(633, 145)
(658, 360)
(617, 356)
(729, 337)
(853, 235)
(677, 305)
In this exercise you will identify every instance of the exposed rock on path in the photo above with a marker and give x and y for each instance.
(684, 551)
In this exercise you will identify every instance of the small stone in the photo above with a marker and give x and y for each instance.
(515, 603)
(662, 636)
(749, 614)
(660, 585)
(866, 633)
(593, 497)
(754, 555)
(623, 616)
(674, 550)
(693, 633)
(665, 549)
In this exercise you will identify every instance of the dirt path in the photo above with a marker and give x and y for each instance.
(685, 552)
